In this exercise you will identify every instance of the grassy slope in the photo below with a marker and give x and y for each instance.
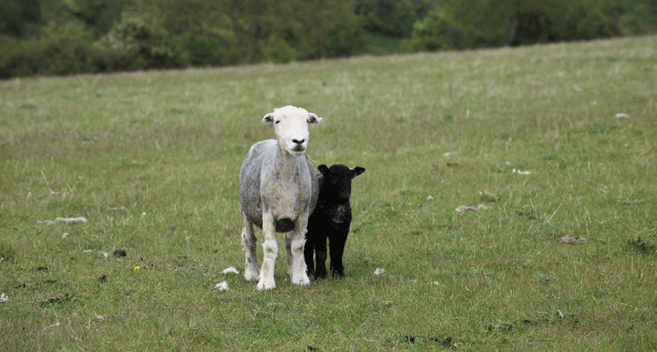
(170, 144)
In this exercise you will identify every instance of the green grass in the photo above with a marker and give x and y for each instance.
(152, 161)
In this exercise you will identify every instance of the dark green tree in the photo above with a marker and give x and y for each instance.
(388, 17)
(248, 31)
(19, 18)
(100, 15)
(490, 23)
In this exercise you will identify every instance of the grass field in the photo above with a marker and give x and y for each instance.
(152, 161)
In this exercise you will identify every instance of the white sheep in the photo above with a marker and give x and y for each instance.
(278, 192)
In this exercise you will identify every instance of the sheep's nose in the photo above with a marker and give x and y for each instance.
(299, 142)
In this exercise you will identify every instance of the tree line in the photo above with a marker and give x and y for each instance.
(59, 37)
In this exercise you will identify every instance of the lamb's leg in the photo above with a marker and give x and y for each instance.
(270, 251)
(337, 242)
(297, 240)
(308, 252)
(321, 254)
(249, 243)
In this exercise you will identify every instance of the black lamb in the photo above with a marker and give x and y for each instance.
(331, 219)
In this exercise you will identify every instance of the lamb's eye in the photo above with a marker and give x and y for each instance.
(277, 122)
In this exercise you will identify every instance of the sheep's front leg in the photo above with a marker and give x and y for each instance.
(297, 240)
(249, 243)
(288, 252)
(270, 251)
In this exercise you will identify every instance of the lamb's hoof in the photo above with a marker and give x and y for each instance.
(262, 285)
(338, 274)
(320, 274)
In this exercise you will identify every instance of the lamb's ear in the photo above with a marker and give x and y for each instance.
(268, 119)
(312, 118)
(358, 170)
(323, 169)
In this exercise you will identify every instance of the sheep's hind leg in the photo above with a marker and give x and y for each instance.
(297, 240)
(249, 243)
(270, 248)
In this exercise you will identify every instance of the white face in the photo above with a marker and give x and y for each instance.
(291, 128)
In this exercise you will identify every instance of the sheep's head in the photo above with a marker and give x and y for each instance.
(291, 128)
(337, 181)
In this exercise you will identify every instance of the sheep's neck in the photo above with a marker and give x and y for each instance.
(285, 164)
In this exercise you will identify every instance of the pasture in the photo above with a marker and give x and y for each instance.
(561, 258)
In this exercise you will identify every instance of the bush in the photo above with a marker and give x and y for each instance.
(533, 27)
(20, 18)
(438, 31)
(490, 23)
(333, 30)
(640, 20)
(204, 50)
(59, 50)
(274, 49)
(154, 34)
(144, 43)
(596, 19)
(315, 29)
(388, 17)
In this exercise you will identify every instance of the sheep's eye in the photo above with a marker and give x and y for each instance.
(277, 122)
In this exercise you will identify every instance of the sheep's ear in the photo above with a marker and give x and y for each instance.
(358, 170)
(312, 118)
(268, 119)
(323, 169)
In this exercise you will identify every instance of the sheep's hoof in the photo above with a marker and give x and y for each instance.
(266, 286)
(251, 275)
(302, 281)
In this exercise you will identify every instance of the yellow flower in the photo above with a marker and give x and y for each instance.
(136, 268)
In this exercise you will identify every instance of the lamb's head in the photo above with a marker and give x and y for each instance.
(291, 128)
(337, 181)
